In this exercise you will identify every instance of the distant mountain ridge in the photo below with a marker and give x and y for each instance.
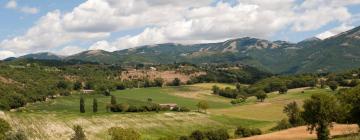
(336, 53)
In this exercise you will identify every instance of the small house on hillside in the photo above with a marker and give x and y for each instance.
(170, 105)
(87, 91)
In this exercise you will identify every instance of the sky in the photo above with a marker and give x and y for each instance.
(68, 27)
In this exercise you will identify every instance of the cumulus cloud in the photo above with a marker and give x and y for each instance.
(6, 54)
(334, 31)
(12, 4)
(29, 10)
(178, 21)
(70, 50)
(102, 45)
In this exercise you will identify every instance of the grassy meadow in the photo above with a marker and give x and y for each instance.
(57, 116)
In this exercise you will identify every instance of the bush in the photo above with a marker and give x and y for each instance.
(242, 132)
(255, 131)
(118, 133)
(79, 133)
(16, 135)
(184, 109)
(237, 101)
(220, 134)
(197, 135)
(281, 125)
(4, 128)
(132, 108)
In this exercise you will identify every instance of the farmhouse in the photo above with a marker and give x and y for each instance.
(170, 105)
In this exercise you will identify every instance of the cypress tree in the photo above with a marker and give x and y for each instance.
(95, 106)
(82, 104)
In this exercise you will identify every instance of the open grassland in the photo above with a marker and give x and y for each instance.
(54, 119)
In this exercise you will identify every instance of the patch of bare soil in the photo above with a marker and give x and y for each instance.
(301, 133)
(168, 76)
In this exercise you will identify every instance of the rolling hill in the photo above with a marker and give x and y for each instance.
(336, 53)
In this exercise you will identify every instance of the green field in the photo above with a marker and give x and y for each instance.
(59, 115)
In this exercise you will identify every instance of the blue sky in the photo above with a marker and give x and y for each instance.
(71, 26)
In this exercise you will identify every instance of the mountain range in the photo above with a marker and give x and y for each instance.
(336, 53)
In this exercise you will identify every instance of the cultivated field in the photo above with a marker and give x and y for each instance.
(55, 118)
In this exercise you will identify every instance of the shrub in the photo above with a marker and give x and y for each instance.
(16, 135)
(79, 133)
(184, 109)
(118, 133)
(237, 101)
(242, 132)
(220, 134)
(197, 135)
(132, 108)
(281, 125)
(255, 131)
(4, 128)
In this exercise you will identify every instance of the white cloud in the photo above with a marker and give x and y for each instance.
(178, 21)
(102, 45)
(334, 31)
(12, 4)
(29, 10)
(70, 50)
(6, 54)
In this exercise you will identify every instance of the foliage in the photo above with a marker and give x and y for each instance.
(16, 135)
(260, 95)
(246, 132)
(292, 110)
(4, 128)
(281, 125)
(319, 112)
(333, 85)
(238, 101)
(350, 99)
(82, 105)
(95, 105)
(202, 105)
(118, 133)
(79, 133)
(218, 134)
(176, 82)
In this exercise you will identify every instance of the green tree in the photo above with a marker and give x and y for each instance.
(333, 85)
(62, 85)
(350, 99)
(319, 112)
(283, 89)
(202, 105)
(82, 104)
(322, 83)
(95, 105)
(292, 110)
(113, 100)
(176, 82)
(77, 85)
(215, 89)
(159, 82)
(118, 133)
(4, 128)
(79, 133)
(197, 135)
(261, 95)
(238, 87)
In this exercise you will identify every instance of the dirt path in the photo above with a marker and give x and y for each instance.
(300, 133)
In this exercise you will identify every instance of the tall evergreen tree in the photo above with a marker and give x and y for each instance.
(113, 100)
(95, 105)
(82, 104)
